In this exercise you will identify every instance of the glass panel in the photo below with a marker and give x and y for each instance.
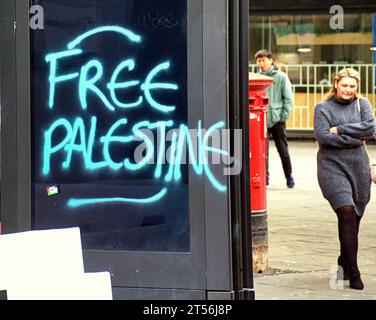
(309, 38)
(108, 81)
(310, 50)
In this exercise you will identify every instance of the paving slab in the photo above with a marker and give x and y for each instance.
(303, 236)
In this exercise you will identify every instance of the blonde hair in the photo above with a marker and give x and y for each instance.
(345, 72)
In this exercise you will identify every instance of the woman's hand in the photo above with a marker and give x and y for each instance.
(334, 130)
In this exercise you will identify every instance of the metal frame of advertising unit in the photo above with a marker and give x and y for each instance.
(219, 263)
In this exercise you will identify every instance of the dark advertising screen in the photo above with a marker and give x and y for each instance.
(108, 88)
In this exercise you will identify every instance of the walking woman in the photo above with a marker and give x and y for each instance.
(342, 125)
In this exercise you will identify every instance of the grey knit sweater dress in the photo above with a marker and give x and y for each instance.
(343, 167)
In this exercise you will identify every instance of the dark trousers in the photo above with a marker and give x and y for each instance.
(278, 133)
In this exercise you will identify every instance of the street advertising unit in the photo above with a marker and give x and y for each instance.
(117, 118)
(258, 108)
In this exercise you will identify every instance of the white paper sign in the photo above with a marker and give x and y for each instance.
(48, 264)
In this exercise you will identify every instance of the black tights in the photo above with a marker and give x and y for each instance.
(348, 230)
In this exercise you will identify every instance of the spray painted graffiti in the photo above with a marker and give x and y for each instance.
(80, 136)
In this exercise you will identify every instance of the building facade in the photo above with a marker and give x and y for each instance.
(311, 41)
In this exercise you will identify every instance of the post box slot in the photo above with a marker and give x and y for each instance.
(264, 99)
(252, 101)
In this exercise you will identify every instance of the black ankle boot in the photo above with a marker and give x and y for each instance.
(355, 280)
(345, 269)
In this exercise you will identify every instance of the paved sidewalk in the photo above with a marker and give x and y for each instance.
(303, 236)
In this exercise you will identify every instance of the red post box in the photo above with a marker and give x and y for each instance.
(258, 135)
